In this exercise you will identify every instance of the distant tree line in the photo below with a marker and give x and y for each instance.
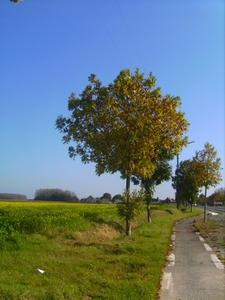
(104, 199)
(217, 198)
(55, 195)
(8, 196)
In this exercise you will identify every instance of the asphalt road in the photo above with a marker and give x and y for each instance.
(219, 209)
(193, 271)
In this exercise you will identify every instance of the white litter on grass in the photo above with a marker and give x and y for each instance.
(40, 271)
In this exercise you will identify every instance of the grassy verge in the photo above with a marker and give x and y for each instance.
(83, 251)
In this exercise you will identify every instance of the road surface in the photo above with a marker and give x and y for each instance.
(193, 271)
(218, 209)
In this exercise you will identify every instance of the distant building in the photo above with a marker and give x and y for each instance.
(168, 200)
(155, 200)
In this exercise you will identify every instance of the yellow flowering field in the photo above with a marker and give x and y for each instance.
(45, 217)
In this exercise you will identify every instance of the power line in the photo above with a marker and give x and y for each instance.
(108, 33)
(130, 35)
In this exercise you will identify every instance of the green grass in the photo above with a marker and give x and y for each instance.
(83, 251)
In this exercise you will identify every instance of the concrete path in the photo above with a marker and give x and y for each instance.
(193, 271)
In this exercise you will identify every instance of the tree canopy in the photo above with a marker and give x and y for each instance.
(124, 126)
(162, 172)
(10, 196)
(207, 169)
(55, 195)
(185, 182)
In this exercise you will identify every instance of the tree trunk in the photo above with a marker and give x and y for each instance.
(205, 206)
(176, 195)
(128, 223)
(128, 227)
(149, 213)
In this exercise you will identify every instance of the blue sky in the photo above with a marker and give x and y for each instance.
(48, 50)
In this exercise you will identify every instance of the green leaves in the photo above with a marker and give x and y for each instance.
(123, 126)
(131, 204)
(207, 167)
(202, 171)
(185, 182)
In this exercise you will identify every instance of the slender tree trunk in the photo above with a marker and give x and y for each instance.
(177, 195)
(128, 223)
(149, 213)
(148, 193)
(128, 227)
(177, 199)
(205, 206)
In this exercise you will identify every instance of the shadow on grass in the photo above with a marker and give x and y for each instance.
(115, 226)
(94, 217)
(169, 211)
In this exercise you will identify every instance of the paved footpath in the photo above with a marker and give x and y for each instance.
(193, 271)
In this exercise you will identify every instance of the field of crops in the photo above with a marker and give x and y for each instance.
(45, 217)
(82, 250)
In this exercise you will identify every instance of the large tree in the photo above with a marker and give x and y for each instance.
(207, 169)
(123, 126)
(185, 182)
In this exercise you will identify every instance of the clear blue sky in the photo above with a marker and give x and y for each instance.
(50, 47)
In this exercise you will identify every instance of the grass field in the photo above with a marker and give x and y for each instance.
(83, 251)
